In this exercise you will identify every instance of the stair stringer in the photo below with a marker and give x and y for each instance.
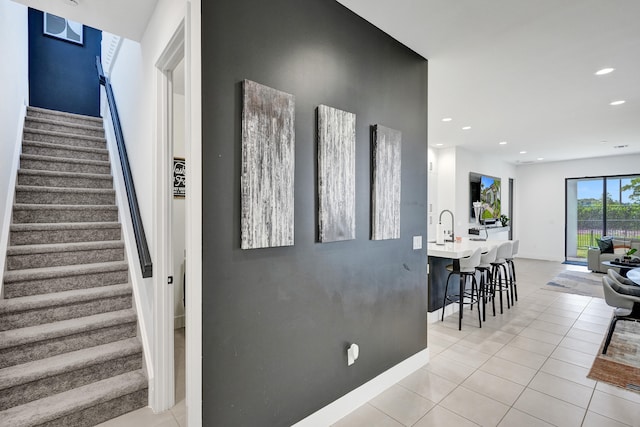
(143, 299)
(11, 194)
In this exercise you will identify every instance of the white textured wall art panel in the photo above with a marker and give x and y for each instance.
(268, 166)
(336, 174)
(386, 191)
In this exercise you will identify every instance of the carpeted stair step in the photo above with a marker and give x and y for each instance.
(59, 254)
(25, 213)
(20, 283)
(25, 383)
(64, 151)
(64, 139)
(63, 179)
(64, 196)
(84, 406)
(35, 310)
(34, 234)
(60, 116)
(28, 194)
(47, 124)
(59, 164)
(18, 346)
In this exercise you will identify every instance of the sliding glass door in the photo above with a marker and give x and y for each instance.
(597, 207)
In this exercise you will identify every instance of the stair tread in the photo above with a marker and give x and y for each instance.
(56, 174)
(40, 157)
(61, 114)
(97, 126)
(65, 135)
(30, 206)
(63, 226)
(47, 331)
(12, 305)
(64, 147)
(41, 188)
(67, 362)
(52, 407)
(63, 247)
(63, 271)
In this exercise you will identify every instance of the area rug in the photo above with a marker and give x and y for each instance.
(577, 282)
(621, 365)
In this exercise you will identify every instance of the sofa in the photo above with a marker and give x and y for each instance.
(618, 247)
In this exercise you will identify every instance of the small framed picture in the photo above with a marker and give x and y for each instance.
(179, 178)
(61, 28)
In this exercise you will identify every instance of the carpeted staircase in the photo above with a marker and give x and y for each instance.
(69, 355)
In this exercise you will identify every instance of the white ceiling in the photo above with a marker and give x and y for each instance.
(126, 18)
(522, 71)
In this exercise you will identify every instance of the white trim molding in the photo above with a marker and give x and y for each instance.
(361, 395)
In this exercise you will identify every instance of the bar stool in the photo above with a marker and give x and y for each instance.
(466, 270)
(512, 270)
(487, 280)
(500, 271)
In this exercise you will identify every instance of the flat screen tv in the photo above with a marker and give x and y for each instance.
(485, 189)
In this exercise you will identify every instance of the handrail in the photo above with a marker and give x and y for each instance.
(138, 229)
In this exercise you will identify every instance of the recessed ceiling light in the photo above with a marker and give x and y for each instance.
(447, 119)
(439, 145)
(604, 141)
(466, 128)
(523, 152)
(503, 142)
(604, 71)
(620, 102)
(540, 158)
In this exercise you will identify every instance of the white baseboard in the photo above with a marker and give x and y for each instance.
(449, 309)
(361, 395)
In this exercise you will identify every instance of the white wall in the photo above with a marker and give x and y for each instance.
(178, 214)
(541, 202)
(451, 189)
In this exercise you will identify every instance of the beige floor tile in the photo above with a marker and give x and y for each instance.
(522, 357)
(454, 372)
(143, 417)
(543, 336)
(402, 405)
(598, 328)
(619, 392)
(550, 409)
(568, 371)
(572, 356)
(622, 410)
(516, 418)
(508, 370)
(441, 417)
(567, 306)
(596, 420)
(581, 334)
(534, 346)
(555, 315)
(579, 345)
(560, 388)
(554, 328)
(492, 386)
(462, 354)
(473, 406)
(367, 415)
(428, 385)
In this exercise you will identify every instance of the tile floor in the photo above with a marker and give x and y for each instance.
(524, 368)
(527, 367)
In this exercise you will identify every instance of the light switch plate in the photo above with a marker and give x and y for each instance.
(417, 242)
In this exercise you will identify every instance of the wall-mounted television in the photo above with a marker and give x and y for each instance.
(485, 189)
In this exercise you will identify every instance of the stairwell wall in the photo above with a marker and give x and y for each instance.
(14, 93)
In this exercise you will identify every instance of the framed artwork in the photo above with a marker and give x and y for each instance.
(268, 167)
(64, 29)
(386, 191)
(179, 178)
(336, 174)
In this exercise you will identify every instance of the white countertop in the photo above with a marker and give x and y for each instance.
(461, 249)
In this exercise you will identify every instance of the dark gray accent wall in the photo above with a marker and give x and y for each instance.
(63, 75)
(277, 321)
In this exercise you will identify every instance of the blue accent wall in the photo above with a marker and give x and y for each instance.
(62, 75)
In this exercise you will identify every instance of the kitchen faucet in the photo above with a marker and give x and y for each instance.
(453, 227)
